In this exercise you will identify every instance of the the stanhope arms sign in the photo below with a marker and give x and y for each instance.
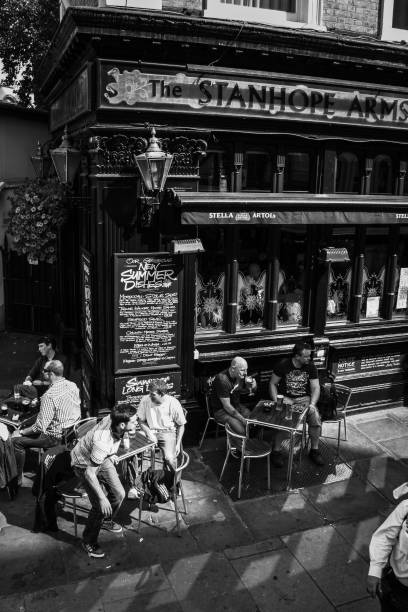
(122, 85)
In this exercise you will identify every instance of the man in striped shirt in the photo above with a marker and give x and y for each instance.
(60, 408)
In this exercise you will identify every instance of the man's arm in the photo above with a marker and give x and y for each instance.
(35, 372)
(314, 391)
(273, 386)
(179, 437)
(92, 479)
(381, 545)
(146, 429)
(228, 407)
(44, 417)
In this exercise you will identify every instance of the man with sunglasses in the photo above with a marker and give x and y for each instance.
(60, 409)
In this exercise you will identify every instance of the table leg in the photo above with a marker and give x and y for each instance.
(290, 461)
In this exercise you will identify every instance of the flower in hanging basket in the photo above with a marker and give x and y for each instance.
(37, 212)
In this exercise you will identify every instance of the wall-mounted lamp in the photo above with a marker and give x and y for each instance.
(66, 160)
(41, 162)
(154, 165)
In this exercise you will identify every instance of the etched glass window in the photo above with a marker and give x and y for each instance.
(340, 274)
(210, 282)
(253, 244)
(381, 180)
(291, 283)
(375, 258)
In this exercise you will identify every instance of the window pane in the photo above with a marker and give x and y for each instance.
(297, 172)
(375, 257)
(252, 276)
(381, 181)
(348, 173)
(257, 171)
(400, 15)
(291, 276)
(400, 308)
(338, 299)
(212, 176)
(210, 282)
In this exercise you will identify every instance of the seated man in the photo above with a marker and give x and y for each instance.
(48, 352)
(296, 378)
(162, 419)
(60, 408)
(226, 389)
(94, 458)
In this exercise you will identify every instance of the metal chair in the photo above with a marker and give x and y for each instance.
(71, 492)
(83, 426)
(241, 447)
(209, 415)
(343, 398)
(177, 484)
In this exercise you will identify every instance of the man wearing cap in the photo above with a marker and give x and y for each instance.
(60, 409)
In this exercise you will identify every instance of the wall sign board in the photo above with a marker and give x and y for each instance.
(146, 312)
(370, 363)
(129, 389)
(74, 101)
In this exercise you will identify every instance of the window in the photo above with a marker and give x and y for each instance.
(395, 20)
(253, 248)
(287, 13)
(340, 274)
(375, 258)
(381, 181)
(348, 178)
(210, 282)
(297, 172)
(291, 281)
(400, 307)
(257, 172)
(147, 4)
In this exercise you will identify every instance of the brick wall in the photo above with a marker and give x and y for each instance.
(179, 5)
(353, 15)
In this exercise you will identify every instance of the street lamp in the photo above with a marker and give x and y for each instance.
(154, 165)
(66, 160)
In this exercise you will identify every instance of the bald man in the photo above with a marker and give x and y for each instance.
(225, 395)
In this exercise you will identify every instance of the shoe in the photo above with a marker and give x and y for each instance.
(316, 456)
(109, 525)
(277, 459)
(93, 550)
(133, 493)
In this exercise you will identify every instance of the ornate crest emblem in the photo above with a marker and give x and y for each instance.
(128, 87)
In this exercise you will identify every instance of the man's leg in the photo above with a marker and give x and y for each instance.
(167, 444)
(235, 424)
(315, 427)
(95, 517)
(109, 477)
(36, 441)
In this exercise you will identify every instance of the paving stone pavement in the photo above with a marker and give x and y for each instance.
(305, 549)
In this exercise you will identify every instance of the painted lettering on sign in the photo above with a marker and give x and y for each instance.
(266, 98)
(146, 274)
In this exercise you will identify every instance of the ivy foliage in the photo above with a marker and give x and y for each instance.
(26, 29)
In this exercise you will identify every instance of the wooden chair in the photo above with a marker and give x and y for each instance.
(242, 447)
(177, 484)
(343, 399)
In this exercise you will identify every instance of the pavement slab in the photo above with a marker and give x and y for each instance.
(135, 581)
(209, 509)
(358, 533)
(334, 565)
(12, 603)
(83, 596)
(398, 447)
(218, 535)
(278, 514)
(383, 472)
(382, 429)
(357, 446)
(162, 601)
(346, 499)
(367, 604)
(400, 413)
(277, 581)
(254, 549)
(207, 576)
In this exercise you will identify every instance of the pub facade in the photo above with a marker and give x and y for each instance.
(284, 216)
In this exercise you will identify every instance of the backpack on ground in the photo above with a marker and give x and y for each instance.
(328, 400)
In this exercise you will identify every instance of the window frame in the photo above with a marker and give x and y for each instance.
(388, 32)
(309, 14)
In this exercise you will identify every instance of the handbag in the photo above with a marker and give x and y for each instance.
(328, 400)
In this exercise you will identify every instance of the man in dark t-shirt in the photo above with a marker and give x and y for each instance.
(296, 379)
(225, 394)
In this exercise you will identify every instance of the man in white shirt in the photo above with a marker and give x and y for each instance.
(94, 459)
(162, 419)
(389, 544)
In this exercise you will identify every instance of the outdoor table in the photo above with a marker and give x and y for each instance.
(18, 415)
(138, 444)
(276, 420)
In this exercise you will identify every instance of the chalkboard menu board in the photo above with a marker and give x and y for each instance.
(146, 312)
(86, 273)
(369, 363)
(129, 389)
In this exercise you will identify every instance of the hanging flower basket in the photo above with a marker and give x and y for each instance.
(37, 213)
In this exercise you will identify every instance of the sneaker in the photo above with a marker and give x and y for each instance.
(133, 493)
(316, 456)
(93, 550)
(110, 525)
(277, 459)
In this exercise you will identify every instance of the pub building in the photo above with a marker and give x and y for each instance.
(284, 216)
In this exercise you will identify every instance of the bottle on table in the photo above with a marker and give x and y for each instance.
(126, 441)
